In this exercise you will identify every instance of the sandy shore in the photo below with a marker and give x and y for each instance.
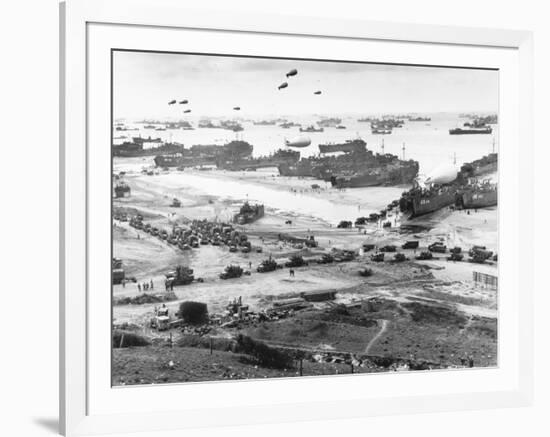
(218, 195)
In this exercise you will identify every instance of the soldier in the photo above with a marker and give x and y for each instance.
(139, 287)
(152, 286)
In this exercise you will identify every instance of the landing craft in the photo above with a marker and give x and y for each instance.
(298, 142)
(184, 102)
(283, 85)
(317, 92)
(171, 102)
(187, 111)
(292, 72)
(442, 174)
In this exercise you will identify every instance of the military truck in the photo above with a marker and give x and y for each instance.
(231, 271)
(296, 261)
(399, 257)
(479, 254)
(267, 265)
(181, 276)
(424, 256)
(327, 258)
(437, 247)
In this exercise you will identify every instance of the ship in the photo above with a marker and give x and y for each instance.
(206, 155)
(464, 191)
(419, 201)
(280, 157)
(248, 214)
(480, 167)
(477, 196)
(181, 161)
(289, 124)
(354, 169)
(265, 122)
(357, 145)
(420, 119)
(398, 172)
(329, 122)
(380, 131)
(231, 125)
(311, 128)
(135, 148)
(207, 124)
(185, 125)
(470, 130)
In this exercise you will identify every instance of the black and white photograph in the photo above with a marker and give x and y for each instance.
(281, 218)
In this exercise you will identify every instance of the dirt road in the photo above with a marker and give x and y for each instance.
(377, 336)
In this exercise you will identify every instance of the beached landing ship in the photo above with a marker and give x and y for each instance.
(477, 196)
(462, 191)
(136, 147)
(206, 155)
(248, 214)
(397, 172)
(357, 145)
(356, 168)
(280, 157)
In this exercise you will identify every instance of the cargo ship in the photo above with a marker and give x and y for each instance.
(479, 167)
(463, 192)
(329, 122)
(289, 124)
(206, 155)
(135, 148)
(470, 130)
(248, 214)
(354, 169)
(380, 131)
(399, 172)
(311, 129)
(477, 196)
(419, 201)
(357, 145)
(280, 157)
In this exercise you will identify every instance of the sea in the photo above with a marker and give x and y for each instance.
(427, 142)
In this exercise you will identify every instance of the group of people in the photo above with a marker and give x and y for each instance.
(146, 286)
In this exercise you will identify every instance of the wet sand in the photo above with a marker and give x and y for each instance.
(218, 195)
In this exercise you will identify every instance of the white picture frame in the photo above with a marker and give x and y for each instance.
(80, 390)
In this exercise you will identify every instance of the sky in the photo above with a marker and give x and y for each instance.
(144, 83)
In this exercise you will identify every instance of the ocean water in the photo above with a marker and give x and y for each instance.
(427, 142)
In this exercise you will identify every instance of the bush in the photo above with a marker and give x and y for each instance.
(193, 312)
(128, 339)
(220, 344)
(265, 355)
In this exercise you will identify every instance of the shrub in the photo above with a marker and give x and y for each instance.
(128, 339)
(191, 340)
(193, 312)
(265, 355)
